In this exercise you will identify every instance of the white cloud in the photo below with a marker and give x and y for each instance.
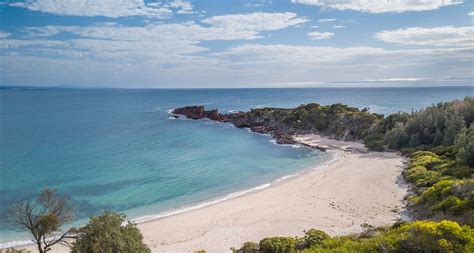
(257, 21)
(326, 20)
(337, 26)
(244, 65)
(4, 34)
(10, 43)
(437, 36)
(171, 54)
(379, 6)
(184, 7)
(155, 43)
(227, 27)
(471, 13)
(106, 8)
(320, 36)
(284, 63)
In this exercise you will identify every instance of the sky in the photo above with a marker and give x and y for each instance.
(231, 43)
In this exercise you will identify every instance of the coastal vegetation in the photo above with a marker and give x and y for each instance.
(106, 233)
(419, 236)
(439, 141)
(43, 218)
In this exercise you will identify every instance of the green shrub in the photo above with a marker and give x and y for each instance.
(415, 237)
(375, 143)
(249, 247)
(428, 236)
(314, 237)
(451, 197)
(278, 245)
(105, 234)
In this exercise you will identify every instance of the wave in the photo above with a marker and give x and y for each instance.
(12, 244)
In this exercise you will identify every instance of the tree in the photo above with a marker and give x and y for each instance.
(105, 234)
(43, 218)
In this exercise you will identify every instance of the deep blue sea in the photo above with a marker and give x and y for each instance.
(119, 149)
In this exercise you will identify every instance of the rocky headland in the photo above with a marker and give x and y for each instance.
(336, 121)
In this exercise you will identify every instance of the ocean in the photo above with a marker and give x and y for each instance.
(119, 149)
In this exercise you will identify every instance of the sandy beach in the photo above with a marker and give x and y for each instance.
(357, 188)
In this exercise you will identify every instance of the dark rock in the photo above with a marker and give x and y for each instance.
(284, 139)
(192, 112)
(256, 123)
(198, 112)
(213, 115)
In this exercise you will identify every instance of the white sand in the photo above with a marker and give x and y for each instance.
(358, 188)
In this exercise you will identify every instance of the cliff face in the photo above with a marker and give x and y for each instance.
(335, 121)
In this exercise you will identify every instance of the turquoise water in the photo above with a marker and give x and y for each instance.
(119, 149)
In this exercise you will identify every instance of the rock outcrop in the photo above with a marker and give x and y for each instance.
(337, 121)
(198, 112)
(239, 119)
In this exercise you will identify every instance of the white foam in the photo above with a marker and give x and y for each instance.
(286, 145)
(14, 244)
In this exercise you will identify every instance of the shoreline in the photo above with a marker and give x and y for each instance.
(352, 191)
(213, 201)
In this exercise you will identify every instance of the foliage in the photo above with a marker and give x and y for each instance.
(464, 146)
(419, 236)
(441, 125)
(454, 198)
(337, 120)
(278, 245)
(43, 218)
(315, 237)
(374, 142)
(248, 247)
(105, 234)
(440, 190)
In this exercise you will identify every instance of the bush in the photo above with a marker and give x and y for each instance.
(105, 233)
(414, 237)
(249, 247)
(375, 143)
(451, 197)
(278, 245)
(428, 236)
(314, 237)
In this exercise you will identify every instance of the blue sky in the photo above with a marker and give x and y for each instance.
(278, 43)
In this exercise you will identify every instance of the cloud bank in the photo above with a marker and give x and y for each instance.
(437, 36)
(380, 6)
